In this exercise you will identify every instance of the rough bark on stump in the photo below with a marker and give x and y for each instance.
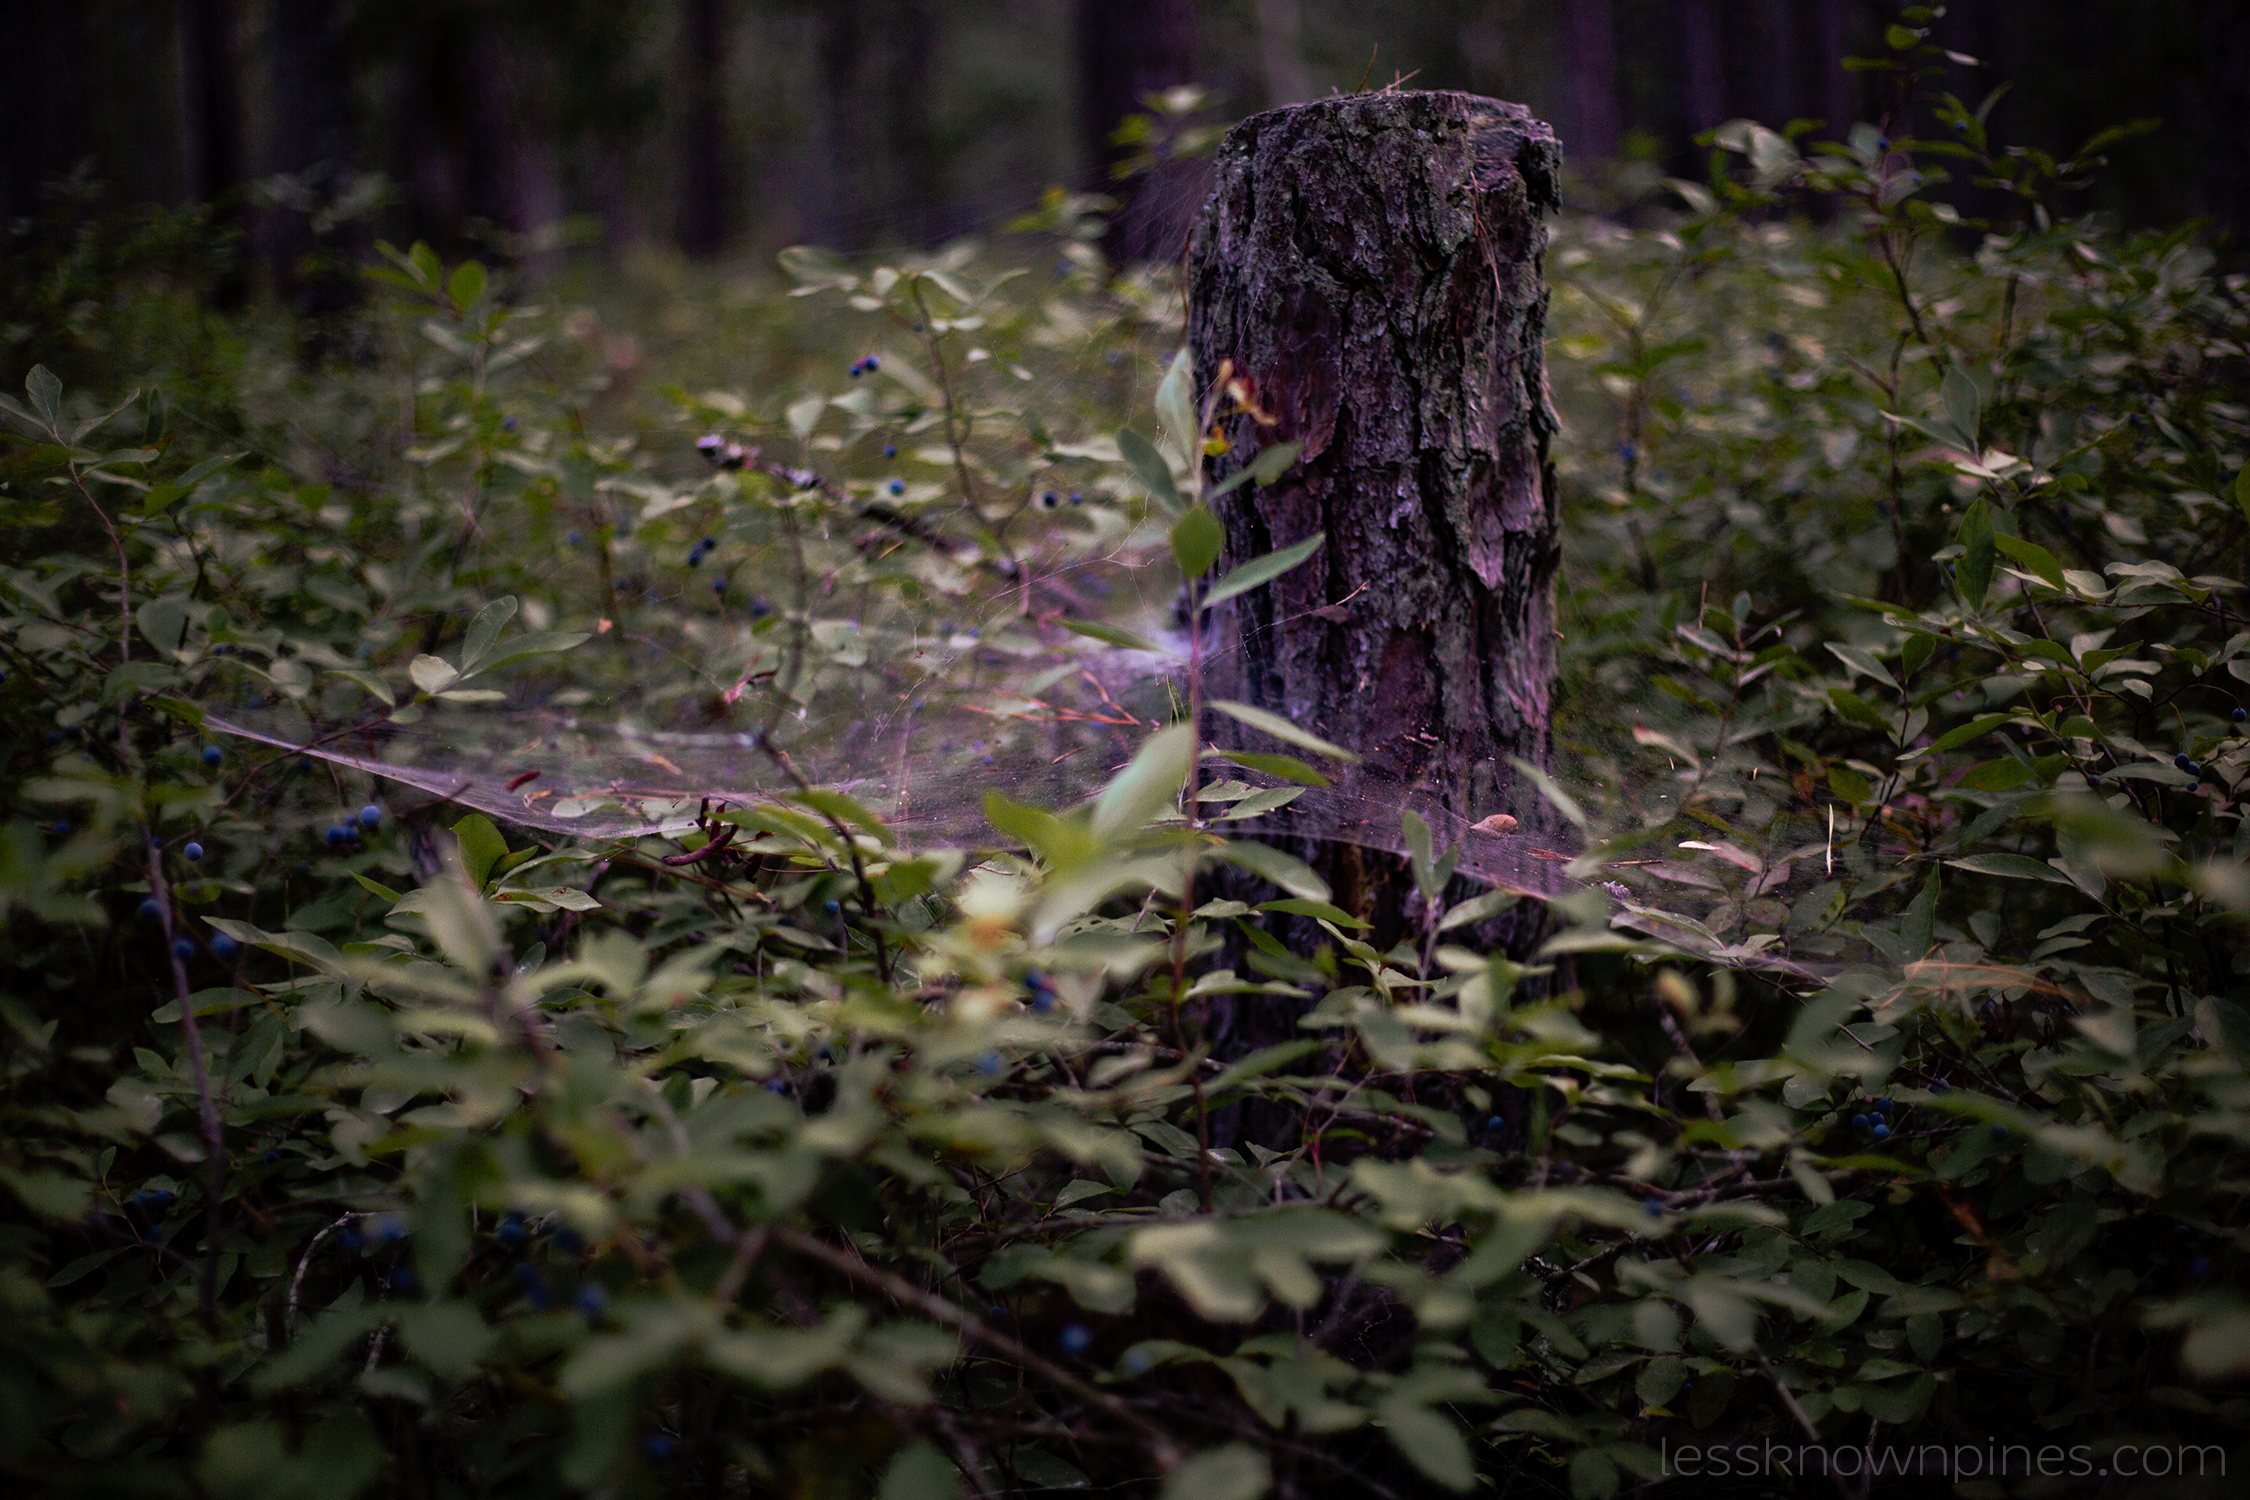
(1372, 263)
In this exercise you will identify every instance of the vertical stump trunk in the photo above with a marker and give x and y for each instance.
(1372, 264)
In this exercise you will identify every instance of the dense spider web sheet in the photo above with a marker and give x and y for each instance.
(917, 721)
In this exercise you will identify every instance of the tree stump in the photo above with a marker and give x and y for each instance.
(1372, 264)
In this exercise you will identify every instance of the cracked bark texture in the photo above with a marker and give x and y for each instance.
(1373, 264)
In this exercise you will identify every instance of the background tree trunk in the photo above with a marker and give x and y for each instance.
(210, 100)
(705, 213)
(1591, 118)
(1126, 51)
(875, 59)
(1373, 264)
(313, 142)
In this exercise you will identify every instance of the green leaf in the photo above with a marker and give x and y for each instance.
(482, 847)
(919, 1472)
(1975, 575)
(46, 394)
(1857, 709)
(1235, 1472)
(1262, 1061)
(1197, 538)
(432, 674)
(1110, 635)
(1963, 733)
(1287, 767)
(2033, 557)
(1281, 729)
(1285, 870)
(815, 269)
(1149, 467)
(1557, 798)
(2240, 490)
(466, 285)
(1917, 926)
(2003, 775)
(1263, 470)
(1259, 569)
(524, 647)
(1850, 785)
(377, 888)
(161, 622)
(484, 630)
(1478, 909)
(1175, 410)
(2013, 866)
(1298, 907)
(1964, 405)
(1148, 786)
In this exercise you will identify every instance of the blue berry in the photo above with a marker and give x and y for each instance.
(2193, 770)
(148, 907)
(1493, 1122)
(509, 425)
(855, 369)
(989, 1064)
(2182, 761)
(1999, 1132)
(573, 536)
(390, 1227)
(224, 946)
(511, 1231)
(718, 585)
(370, 816)
(156, 842)
(212, 755)
(1076, 498)
(183, 948)
(759, 609)
(1881, 1130)
(659, 1447)
(534, 1286)
(191, 851)
(873, 363)
(402, 1281)
(592, 1300)
(898, 486)
(1136, 1362)
(1653, 1205)
(1050, 500)
(1076, 1338)
(1884, 1105)
(2242, 715)
(890, 450)
(2201, 1267)
(62, 829)
(1859, 1122)
(271, 1156)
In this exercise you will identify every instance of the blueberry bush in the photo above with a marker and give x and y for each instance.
(1883, 1077)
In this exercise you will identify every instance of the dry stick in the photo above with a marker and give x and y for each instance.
(1160, 1443)
(304, 1263)
(214, 1137)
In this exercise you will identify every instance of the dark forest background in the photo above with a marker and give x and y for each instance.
(529, 127)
